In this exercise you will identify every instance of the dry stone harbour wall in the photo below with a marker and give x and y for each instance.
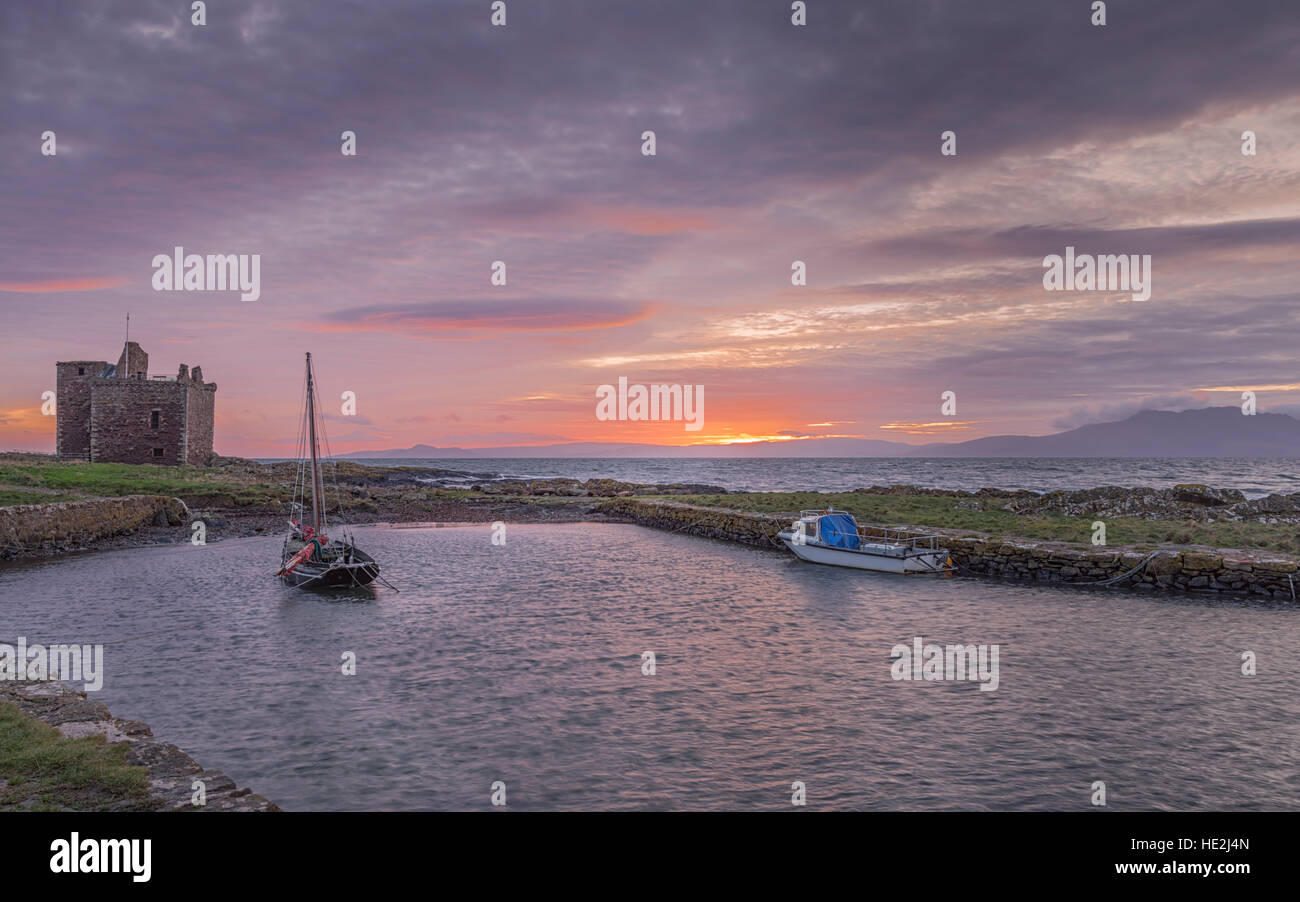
(1233, 573)
(32, 530)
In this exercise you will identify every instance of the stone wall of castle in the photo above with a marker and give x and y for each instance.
(73, 387)
(200, 410)
(123, 416)
(132, 361)
(105, 415)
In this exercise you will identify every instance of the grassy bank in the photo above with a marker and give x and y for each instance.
(986, 515)
(42, 770)
(377, 494)
(38, 479)
(236, 486)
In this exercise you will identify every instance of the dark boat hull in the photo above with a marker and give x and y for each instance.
(362, 570)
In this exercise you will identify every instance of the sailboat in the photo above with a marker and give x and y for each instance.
(311, 557)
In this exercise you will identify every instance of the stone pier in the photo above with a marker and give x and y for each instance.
(1246, 573)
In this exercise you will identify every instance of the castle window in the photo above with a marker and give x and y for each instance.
(157, 452)
(81, 371)
(153, 424)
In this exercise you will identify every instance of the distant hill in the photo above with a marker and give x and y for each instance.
(1204, 432)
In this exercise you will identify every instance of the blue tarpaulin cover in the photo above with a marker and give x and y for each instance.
(839, 531)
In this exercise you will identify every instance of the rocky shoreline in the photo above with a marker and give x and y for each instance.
(1192, 570)
(172, 773)
(404, 495)
(241, 498)
(369, 496)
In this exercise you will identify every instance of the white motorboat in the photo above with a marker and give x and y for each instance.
(834, 537)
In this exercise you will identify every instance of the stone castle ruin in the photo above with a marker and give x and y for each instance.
(120, 413)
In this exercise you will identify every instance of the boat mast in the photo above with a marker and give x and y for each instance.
(316, 489)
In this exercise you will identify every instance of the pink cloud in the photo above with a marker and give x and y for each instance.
(49, 286)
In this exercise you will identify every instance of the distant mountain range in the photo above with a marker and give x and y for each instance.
(1204, 432)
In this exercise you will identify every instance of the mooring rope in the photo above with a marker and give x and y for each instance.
(1123, 576)
(385, 582)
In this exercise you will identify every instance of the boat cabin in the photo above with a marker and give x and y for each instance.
(838, 529)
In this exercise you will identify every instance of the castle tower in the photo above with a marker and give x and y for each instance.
(133, 362)
(120, 413)
(72, 406)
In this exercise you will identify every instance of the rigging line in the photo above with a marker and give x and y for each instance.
(313, 579)
(334, 470)
(299, 497)
(318, 418)
(301, 485)
(304, 468)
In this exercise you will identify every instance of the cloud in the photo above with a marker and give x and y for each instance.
(357, 435)
(1085, 415)
(355, 419)
(531, 315)
(931, 428)
(775, 143)
(48, 286)
(1033, 242)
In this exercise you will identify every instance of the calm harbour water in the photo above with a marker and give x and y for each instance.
(1255, 477)
(522, 663)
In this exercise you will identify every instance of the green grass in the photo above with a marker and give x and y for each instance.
(23, 475)
(46, 771)
(79, 479)
(10, 496)
(109, 479)
(988, 517)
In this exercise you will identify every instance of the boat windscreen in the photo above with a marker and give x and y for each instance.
(839, 531)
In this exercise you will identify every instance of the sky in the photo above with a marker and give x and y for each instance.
(775, 143)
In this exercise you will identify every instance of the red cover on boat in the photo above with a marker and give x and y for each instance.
(303, 555)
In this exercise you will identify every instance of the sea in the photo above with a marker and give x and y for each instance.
(1254, 477)
(602, 666)
(527, 664)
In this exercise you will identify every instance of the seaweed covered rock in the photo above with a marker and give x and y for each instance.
(1188, 501)
(1195, 493)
